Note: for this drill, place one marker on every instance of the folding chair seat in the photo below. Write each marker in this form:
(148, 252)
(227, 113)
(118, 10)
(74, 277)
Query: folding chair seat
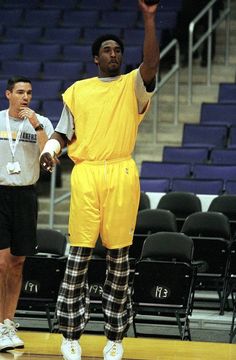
(59, 4)
(44, 52)
(11, 17)
(185, 154)
(231, 289)
(23, 34)
(204, 135)
(214, 171)
(163, 287)
(198, 186)
(61, 35)
(211, 235)
(39, 17)
(52, 109)
(181, 204)
(47, 89)
(155, 220)
(232, 137)
(227, 93)
(155, 185)
(97, 4)
(226, 204)
(144, 202)
(218, 113)
(90, 34)
(72, 18)
(118, 19)
(162, 169)
(26, 68)
(9, 51)
(42, 275)
(133, 55)
(81, 53)
(223, 156)
(230, 187)
(62, 70)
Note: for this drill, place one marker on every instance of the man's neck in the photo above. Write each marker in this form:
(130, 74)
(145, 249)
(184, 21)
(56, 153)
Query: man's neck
(14, 113)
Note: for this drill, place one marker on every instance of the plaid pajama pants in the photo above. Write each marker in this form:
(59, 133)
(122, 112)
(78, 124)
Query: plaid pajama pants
(73, 298)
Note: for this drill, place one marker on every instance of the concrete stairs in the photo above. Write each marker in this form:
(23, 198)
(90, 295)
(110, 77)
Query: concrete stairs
(162, 109)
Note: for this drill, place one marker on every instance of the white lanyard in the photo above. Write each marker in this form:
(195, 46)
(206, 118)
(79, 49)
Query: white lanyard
(13, 144)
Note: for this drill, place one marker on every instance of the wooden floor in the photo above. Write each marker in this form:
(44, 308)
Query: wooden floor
(45, 346)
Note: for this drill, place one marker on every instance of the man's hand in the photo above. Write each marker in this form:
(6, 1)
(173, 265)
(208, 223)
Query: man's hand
(47, 162)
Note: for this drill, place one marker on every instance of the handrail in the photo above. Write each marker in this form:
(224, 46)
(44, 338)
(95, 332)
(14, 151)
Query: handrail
(206, 36)
(174, 71)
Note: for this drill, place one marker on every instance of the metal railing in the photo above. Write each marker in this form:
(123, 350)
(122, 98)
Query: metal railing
(224, 15)
(173, 71)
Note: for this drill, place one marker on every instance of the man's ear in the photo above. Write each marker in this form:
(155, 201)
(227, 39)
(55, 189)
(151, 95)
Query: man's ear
(7, 93)
(95, 59)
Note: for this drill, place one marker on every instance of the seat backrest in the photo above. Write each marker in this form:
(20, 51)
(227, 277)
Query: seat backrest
(214, 171)
(208, 135)
(155, 220)
(207, 223)
(157, 169)
(122, 19)
(51, 242)
(26, 68)
(218, 113)
(198, 186)
(226, 204)
(180, 203)
(223, 156)
(185, 154)
(37, 17)
(62, 35)
(75, 52)
(230, 187)
(155, 185)
(232, 137)
(47, 89)
(168, 246)
(227, 93)
(80, 18)
(62, 70)
(23, 34)
(9, 51)
(41, 51)
(144, 202)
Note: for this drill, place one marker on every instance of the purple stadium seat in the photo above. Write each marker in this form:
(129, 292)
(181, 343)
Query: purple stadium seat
(166, 20)
(198, 186)
(232, 137)
(155, 185)
(23, 34)
(52, 109)
(159, 169)
(218, 113)
(133, 55)
(81, 53)
(214, 171)
(230, 187)
(185, 154)
(11, 17)
(227, 93)
(59, 4)
(122, 19)
(43, 52)
(97, 4)
(42, 17)
(90, 34)
(46, 89)
(223, 156)
(9, 51)
(34, 104)
(91, 70)
(62, 70)
(72, 18)
(29, 69)
(204, 135)
(62, 35)
(21, 4)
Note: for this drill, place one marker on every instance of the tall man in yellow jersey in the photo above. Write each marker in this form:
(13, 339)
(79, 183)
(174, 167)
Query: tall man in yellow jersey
(99, 123)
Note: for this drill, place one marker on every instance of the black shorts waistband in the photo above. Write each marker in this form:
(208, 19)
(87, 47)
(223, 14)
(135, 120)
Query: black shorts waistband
(13, 187)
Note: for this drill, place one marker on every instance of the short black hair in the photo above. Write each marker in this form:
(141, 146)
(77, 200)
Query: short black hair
(98, 42)
(15, 79)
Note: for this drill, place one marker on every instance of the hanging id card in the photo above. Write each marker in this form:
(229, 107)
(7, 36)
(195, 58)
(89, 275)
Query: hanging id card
(13, 168)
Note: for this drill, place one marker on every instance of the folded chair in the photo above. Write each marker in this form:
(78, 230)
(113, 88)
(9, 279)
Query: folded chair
(163, 287)
(42, 276)
(211, 235)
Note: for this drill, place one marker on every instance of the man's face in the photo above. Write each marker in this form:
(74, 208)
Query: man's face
(109, 58)
(20, 96)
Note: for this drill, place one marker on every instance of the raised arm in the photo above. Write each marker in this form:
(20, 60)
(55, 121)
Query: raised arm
(151, 53)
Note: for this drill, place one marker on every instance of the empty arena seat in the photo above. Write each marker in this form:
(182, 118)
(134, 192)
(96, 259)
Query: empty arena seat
(62, 35)
(62, 70)
(23, 34)
(185, 154)
(122, 19)
(41, 51)
(227, 93)
(214, 171)
(9, 51)
(155, 185)
(223, 156)
(20, 67)
(39, 17)
(199, 186)
(204, 135)
(218, 113)
(72, 18)
(46, 89)
(160, 169)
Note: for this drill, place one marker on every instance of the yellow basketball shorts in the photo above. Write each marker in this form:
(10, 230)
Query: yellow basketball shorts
(104, 200)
